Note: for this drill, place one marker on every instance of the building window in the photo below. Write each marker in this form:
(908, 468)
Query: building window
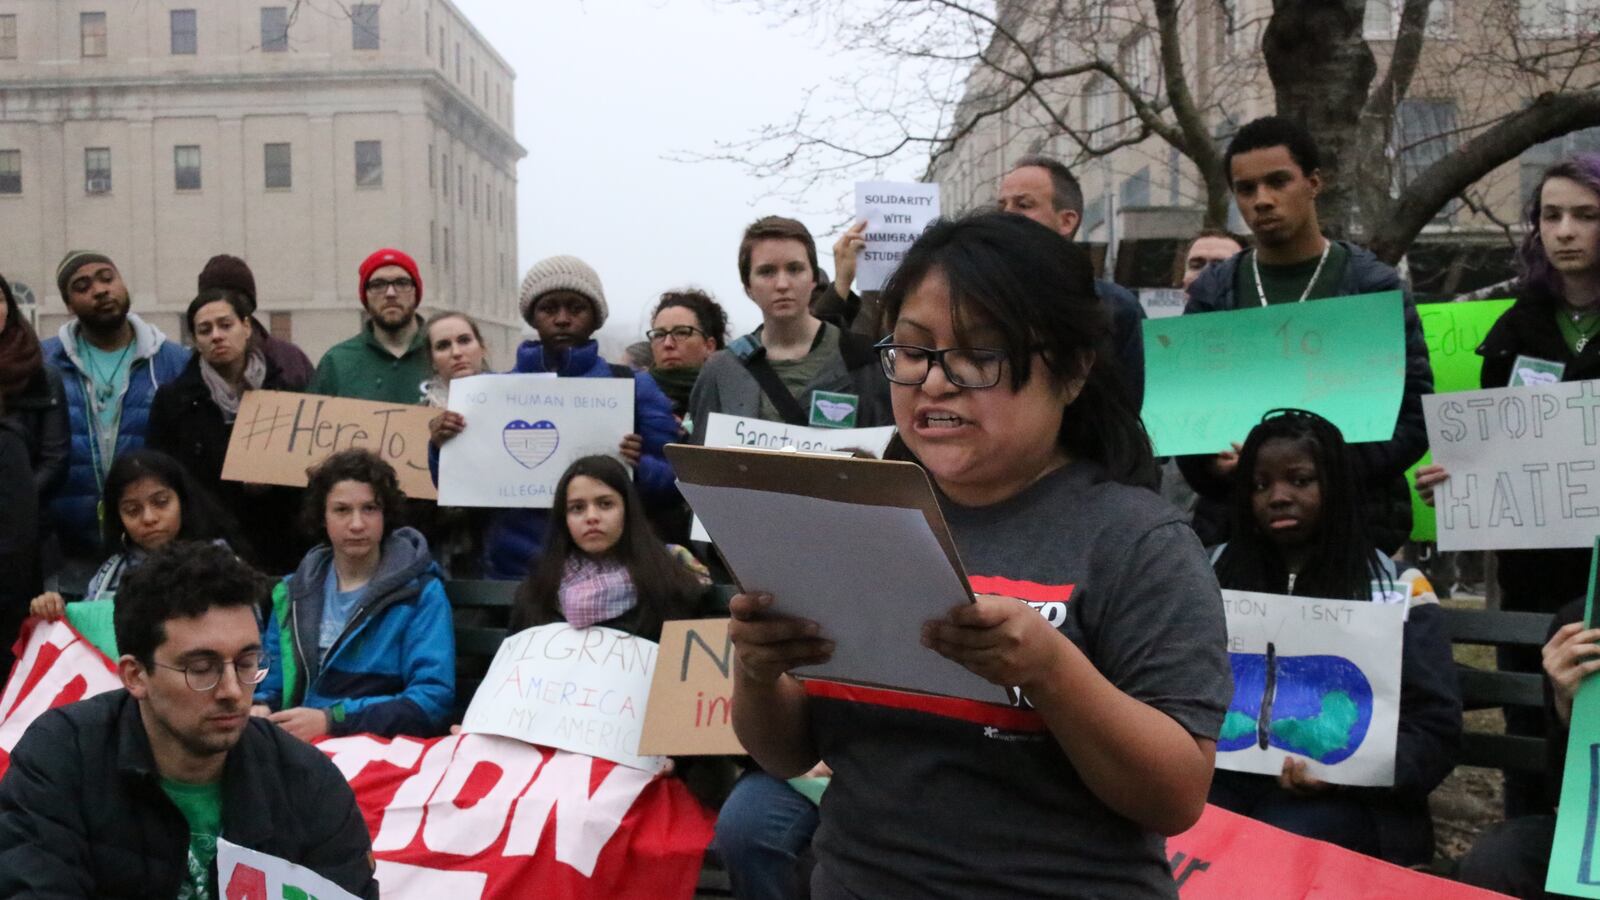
(461, 185)
(458, 62)
(444, 166)
(277, 160)
(92, 33)
(1135, 190)
(1555, 17)
(432, 178)
(427, 33)
(433, 243)
(274, 29)
(472, 77)
(447, 248)
(1539, 157)
(97, 170)
(369, 163)
(474, 195)
(364, 26)
(185, 36)
(10, 171)
(1381, 19)
(281, 324)
(1425, 132)
(8, 37)
(441, 46)
(186, 168)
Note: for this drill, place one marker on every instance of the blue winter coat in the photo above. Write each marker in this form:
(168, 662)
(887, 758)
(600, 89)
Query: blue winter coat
(515, 536)
(73, 507)
(392, 670)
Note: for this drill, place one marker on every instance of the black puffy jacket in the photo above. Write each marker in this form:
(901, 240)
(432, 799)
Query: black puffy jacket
(82, 812)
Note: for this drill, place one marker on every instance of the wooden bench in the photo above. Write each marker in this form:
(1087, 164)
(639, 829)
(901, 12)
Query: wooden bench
(1481, 689)
(481, 611)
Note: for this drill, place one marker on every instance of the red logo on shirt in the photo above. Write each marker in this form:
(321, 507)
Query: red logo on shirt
(1050, 600)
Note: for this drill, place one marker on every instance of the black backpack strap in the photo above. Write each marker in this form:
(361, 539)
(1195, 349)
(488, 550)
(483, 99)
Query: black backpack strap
(767, 379)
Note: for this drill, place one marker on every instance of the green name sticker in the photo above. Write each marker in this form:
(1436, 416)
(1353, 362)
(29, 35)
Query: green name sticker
(1529, 370)
(830, 410)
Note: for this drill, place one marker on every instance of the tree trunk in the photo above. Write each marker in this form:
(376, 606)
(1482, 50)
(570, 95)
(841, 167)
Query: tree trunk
(1322, 70)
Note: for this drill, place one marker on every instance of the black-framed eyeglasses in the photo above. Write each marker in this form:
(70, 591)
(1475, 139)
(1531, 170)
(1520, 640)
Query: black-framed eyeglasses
(967, 367)
(377, 287)
(679, 333)
(206, 673)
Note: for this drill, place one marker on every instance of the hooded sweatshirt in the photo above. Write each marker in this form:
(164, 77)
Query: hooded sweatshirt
(156, 361)
(392, 670)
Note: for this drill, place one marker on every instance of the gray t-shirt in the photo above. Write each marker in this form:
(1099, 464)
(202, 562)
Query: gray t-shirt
(935, 797)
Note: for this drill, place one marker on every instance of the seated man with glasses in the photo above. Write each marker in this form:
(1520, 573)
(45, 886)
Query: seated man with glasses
(125, 794)
(389, 360)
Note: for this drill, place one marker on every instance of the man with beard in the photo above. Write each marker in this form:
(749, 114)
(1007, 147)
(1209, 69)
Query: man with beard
(388, 361)
(111, 363)
(126, 793)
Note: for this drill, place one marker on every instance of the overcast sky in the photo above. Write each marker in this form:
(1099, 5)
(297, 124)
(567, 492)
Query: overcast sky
(606, 91)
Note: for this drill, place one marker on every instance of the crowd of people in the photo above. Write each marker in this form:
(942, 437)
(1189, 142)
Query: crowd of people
(247, 620)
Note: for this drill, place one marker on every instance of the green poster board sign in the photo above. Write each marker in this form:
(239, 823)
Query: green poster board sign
(1574, 855)
(1209, 378)
(1453, 332)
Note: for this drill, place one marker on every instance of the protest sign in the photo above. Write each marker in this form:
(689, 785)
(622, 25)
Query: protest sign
(1574, 858)
(1453, 332)
(578, 689)
(1522, 466)
(245, 874)
(523, 431)
(278, 435)
(1209, 378)
(54, 666)
(1318, 680)
(690, 711)
(896, 213)
(723, 430)
(1163, 303)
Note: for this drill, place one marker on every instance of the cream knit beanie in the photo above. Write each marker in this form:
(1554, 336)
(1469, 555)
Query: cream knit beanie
(563, 273)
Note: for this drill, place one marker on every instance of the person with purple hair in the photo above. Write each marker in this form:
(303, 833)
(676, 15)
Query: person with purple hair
(1555, 320)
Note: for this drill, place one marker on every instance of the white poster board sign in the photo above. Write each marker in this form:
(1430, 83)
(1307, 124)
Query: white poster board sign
(1524, 466)
(251, 875)
(723, 430)
(896, 213)
(523, 431)
(1318, 680)
(583, 690)
(1162, 303)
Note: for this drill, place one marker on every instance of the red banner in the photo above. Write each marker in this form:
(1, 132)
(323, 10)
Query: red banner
(476, 817)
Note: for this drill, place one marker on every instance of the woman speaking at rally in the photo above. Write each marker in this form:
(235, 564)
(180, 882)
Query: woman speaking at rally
(1095, 599)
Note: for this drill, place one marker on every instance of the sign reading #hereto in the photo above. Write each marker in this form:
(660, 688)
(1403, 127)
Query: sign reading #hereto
(577, 689)
(523, 431)
(1210, 377)
(896, 214)
(1522, 463)
(278, 435)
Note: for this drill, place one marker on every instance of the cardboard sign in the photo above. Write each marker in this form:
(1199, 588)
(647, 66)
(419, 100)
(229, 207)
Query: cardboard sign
(1453, 332)
(578, 689)
(896, 214)
(1574, 858)
(278, 435)
(1318, 680)
(522, 433)
(244, 874)
(691, 712)
(1210, 377)
(1522, 464)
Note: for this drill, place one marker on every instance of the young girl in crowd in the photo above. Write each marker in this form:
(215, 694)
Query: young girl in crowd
(1555, 320)
(151, 500)
(456, 347)
(455, 533)
(360, 637)
(1096, 607)
(607, 566)
(1298, 528)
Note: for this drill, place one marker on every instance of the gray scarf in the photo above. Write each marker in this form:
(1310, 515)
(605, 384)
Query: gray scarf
(255, 372)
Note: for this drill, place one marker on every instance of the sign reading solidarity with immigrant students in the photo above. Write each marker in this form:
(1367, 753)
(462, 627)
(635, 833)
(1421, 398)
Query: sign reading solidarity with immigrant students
(523, 431)
(1316, 680)
(896, 214)
(1522, 464)
(1209, 378)
(278, 435)
(578, 689)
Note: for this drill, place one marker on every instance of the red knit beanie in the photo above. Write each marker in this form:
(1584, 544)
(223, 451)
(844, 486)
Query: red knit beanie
(389, 257)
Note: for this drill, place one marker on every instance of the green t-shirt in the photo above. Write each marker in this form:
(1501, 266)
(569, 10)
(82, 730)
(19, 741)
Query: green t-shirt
(1578, 334)
(107, 371)
(797, 373)
(201, 805)
(1285, 284)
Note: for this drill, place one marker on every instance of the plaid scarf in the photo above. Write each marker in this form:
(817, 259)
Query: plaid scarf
(595, 591)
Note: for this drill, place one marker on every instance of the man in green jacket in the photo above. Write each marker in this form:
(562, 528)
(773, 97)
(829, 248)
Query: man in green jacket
(388, 361)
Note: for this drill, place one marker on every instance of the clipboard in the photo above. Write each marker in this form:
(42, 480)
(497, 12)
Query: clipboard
(858, 545)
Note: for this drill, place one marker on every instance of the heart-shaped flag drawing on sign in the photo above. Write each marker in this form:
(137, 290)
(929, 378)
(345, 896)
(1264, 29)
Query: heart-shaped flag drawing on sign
(531, 443)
